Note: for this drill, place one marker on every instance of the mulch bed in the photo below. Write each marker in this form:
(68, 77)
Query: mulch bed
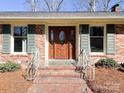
(108, 81)
(13, 82)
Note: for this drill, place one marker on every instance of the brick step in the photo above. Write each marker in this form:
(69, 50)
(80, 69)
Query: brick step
(58, 85)
(56, 88)
(53, 80)
(58, 73)
(58, 68)
(57, 80)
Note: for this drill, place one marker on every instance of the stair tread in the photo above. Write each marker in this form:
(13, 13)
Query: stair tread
(52, 80)
(57, 73)
(58, 68)
(76, 76)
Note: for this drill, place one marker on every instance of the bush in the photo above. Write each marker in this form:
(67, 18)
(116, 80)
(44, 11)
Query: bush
(2, 68)
(9, 67)
(107, 63)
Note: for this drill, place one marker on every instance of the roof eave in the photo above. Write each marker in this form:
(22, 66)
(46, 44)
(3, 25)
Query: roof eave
(57, 18)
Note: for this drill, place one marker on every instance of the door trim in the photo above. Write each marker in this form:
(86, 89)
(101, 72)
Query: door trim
(76, 25)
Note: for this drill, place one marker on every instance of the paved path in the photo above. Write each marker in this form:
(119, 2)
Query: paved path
(57, 81)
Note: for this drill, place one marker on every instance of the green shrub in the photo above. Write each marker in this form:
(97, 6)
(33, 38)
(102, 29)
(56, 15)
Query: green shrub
(9, 67)
(107, 63)
(2, 68)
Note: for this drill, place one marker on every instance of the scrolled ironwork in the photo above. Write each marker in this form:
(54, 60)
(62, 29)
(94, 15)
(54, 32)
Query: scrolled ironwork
(33, 64)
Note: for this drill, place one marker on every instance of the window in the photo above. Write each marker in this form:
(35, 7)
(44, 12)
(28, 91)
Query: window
(96, 38)
(20, 38)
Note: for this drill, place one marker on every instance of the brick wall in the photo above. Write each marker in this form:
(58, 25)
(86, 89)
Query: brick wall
(119, 40)
(40, 43)
(94, 58)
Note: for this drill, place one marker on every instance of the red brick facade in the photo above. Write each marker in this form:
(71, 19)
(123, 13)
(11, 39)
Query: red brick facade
(40, 44)
(119, 43)
(39, 41)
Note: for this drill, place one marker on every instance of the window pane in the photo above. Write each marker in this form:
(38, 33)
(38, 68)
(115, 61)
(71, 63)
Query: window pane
(17, 31)
(96, 31)
(24, 43)
(61, 37)
(20, 38)
(96, 44)
(20, 31)
(24, 31)
(18, 45)
(96, 38)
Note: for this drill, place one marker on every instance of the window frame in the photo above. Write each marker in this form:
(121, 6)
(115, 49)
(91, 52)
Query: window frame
(104, 37)
(12, 40)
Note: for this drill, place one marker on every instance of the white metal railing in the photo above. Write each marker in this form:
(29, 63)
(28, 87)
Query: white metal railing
(85, 66)
(33, 65)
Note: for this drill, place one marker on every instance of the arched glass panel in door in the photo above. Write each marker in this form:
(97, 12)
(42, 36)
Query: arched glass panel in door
(61, 37)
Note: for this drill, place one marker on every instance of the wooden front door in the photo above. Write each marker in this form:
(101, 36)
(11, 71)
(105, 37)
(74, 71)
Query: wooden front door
(61, 42)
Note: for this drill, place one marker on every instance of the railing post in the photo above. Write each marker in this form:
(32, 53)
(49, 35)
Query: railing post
(33, 65)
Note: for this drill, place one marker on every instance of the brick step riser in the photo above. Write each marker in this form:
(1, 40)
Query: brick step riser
(65, 76)
(49, 70)
(57, 68)
(58, 80)
(56, 73)
(62, 73)
(54, 82)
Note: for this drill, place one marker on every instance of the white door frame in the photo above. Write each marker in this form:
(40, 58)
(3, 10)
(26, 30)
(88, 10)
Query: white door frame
(47, 39)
